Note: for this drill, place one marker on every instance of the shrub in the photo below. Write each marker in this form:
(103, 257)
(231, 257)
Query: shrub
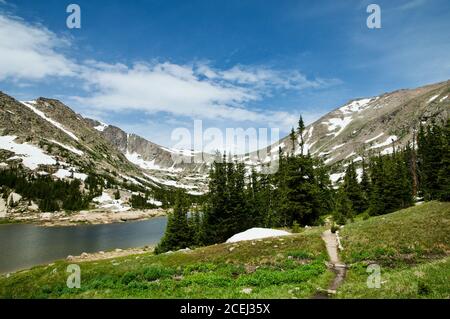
(423, 288)
(334, 228)
(299, 254)
(296, 227)
(154, 272)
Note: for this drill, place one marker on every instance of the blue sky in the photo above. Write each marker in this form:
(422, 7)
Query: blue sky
(152, 66)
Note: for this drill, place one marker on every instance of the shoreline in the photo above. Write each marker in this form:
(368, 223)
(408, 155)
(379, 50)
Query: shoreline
(93, 217)
(115, 253)
(88, 257)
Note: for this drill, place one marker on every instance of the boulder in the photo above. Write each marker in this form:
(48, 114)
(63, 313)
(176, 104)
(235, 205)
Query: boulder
(247, 291)
(15, 197)
(33, 207)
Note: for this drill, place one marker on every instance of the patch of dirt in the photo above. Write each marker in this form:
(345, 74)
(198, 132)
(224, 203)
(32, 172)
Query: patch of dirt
(338, 268)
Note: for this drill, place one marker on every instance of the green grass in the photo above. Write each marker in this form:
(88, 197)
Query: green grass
(411, 246)
(426, 280)
(286, 267)
(5, 221)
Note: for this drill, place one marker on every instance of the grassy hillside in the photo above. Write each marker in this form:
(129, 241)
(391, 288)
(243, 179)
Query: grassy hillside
(412, 247)
(272, 268)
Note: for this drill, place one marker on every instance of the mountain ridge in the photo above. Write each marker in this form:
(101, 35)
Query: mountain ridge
(348, 133)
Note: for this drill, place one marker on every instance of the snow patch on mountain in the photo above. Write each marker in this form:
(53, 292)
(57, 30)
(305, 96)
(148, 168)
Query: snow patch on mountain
(137, 159)
(154, 202)
(374, 138)
(131, 179)
(338, 124)
(65, 173)
(337, 146)
(387, 151)
(116, 205)
(31, 155)
(359, 173)
(355, 106)
(173, 183)
(350, 155)
(69, 148)
(181, 152)
(336, 177)
(29, 104)
(434, 97)
(104, 197)
(196, 193)
(306, 148)
(391, 139)
(101, 127)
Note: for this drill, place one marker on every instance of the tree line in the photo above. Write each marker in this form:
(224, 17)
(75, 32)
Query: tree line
(391, 182)
(300, 192)
(51, 195)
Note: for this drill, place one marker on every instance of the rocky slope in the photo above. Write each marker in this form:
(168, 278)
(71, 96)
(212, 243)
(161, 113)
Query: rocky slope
(47, 137)
(162, 165)
(370, 125)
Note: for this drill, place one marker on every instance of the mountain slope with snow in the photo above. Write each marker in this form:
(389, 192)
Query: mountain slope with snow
(371, 125)
(40, 133)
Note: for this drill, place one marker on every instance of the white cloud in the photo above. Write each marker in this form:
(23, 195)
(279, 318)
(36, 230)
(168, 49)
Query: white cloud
(162, 87)
(411, 4)
(196, 91)
(29, 52)
(32, 52)
(264, 77)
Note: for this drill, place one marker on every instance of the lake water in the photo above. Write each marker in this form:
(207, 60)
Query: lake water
(24, 245)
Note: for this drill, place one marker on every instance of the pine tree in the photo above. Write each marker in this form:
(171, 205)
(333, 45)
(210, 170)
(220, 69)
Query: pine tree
(178, 234)
(304, 194)
(292, 137)
(282, 190)
(300, 132)
(196, 225)
(343, 207)
(216, 206)
(444, 171)
(241, 217)
(117, 195)
(391, 183)
(430, 152)
(353, 190)
(377, 177)
(365, 186)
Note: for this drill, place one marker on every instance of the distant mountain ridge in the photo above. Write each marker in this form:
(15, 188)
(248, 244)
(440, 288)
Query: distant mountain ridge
(371, 125)
(348, 133)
